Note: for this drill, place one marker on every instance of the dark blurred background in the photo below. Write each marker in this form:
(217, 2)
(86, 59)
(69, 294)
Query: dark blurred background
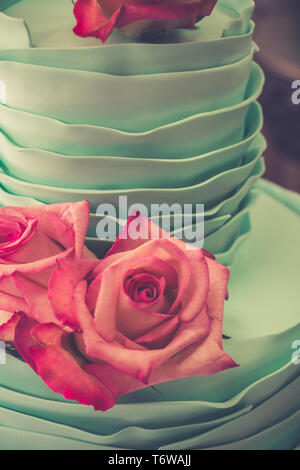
(278, 37)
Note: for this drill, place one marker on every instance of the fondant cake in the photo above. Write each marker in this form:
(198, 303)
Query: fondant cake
(169, 120)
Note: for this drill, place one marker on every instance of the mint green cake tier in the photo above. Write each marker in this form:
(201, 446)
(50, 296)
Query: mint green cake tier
(66, 94)
(162, 122)
(188, 137)
(199, 144)
(51, 168)
(223, 38)
(255, 406)
(208, 192)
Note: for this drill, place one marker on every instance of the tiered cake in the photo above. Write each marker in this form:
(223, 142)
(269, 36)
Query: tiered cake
(171, 121)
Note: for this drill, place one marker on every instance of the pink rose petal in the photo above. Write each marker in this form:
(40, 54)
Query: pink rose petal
(118, 382)
(63, 374)
(196, 303)
(149, 231)
(121, 358)
(161, 16)
(41, 347)
(24, 340)
(97, 347)
(65, 223)
(8, 286)
(12, 303)
(37, 248)
(148, 315)
(8, 327)
(195, 294)
(153, 337)
(36, 298)
(5, 316)
(62, 285)
(149, 256)
(205, 358)
(29, 229)
(218, 282)
(110, 298)
(48, 333)
(35, 266)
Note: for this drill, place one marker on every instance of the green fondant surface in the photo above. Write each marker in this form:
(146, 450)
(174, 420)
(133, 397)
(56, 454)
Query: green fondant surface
(201, 143)
(255, 406)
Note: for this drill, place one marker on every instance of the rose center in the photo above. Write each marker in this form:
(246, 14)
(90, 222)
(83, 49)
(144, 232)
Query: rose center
(10, 229)
(143, 287)
(14, 232)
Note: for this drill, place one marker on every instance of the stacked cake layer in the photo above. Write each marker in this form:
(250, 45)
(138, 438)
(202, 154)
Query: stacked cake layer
(174, 122)
(254, 406)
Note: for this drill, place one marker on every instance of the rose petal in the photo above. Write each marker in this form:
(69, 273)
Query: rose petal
(127, 343)
(121, 358)
(89, 17)
(8, 323)
(105, 310)
(134, 321)
(66, 223)
(91, 21)
(24, 340)
(160, 268)
(13, 304)
(144, 288)
(75, 384)
(195, 294)
(34, 267)
(48, 333)
(160, 332)
(35, 249)
(205, 358)
(120, 384)
(5, 316)
(110, 298)
(63, 374)
(195, 297)
(57, 367)
(149, 231)
(37, 299)
(11, 246)
(113, 305)
(8, 286)
(163, 253)
(62, 285)
(218, 282)
(96, 347)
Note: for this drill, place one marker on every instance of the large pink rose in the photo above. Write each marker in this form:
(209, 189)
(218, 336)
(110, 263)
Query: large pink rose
(98, 18)
(149, 312)
(33, 241)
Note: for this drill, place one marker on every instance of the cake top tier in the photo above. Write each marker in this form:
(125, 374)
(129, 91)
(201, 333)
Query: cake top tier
(51, 23)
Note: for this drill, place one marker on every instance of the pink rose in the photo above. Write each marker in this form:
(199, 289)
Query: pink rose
(98, 18)
(149, 312)
(33, 241)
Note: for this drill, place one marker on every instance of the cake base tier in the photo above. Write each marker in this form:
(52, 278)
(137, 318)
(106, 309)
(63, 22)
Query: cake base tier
(255, 406)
